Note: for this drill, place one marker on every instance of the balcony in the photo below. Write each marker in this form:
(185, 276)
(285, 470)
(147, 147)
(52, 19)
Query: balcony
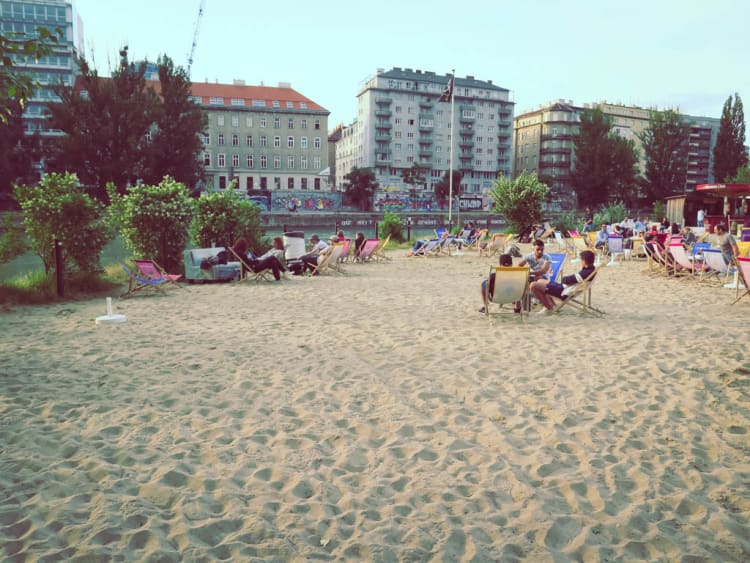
(547, 164)
(425, 152)
(383, 112)
(383, 100)
(557, 137)
(384, 125)
(383, 137)
(384, 158)
(466, 143)
(426, 104)
(425, 142)
(426, 127)
(555, 150)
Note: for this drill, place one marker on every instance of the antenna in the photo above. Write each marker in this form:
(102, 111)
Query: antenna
(196, 29)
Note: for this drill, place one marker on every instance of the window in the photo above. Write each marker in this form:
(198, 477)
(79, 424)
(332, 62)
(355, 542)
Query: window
(317, 124)
(290, 183)
(277, 182)
(148, 136)
(290, 142)
(397, 146)
(250, 161)
(289, 105)
(206, 159)
(263, 182)
(276, 104)
(263, 122)
(303, 142)
(249, 183)
(235, 121)
(290, 161)
(303, 124)
(316, 163)
(206, 138)
(235, 160)
(248, 121)
(249, 140)
(263, 141)
(276, 162)
(221, 138)
(263, 161)
(303, 183)
(235, 140)
(214, 101)
(303, 105)
(276, 122)
(397, 134)
(259, 103)
(398, 121)
(410, 147)
(316, 142)
(290, 123)
(222, 182)
(220, 120)
(277, 142)
(222, 162)
(303, 162)
(317, 183)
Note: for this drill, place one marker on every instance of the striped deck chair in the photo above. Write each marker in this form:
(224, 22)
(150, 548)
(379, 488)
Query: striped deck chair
(743, 271)
(365, 255)
(578, 296)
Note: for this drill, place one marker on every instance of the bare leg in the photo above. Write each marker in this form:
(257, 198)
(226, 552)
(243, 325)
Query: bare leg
(538, 289)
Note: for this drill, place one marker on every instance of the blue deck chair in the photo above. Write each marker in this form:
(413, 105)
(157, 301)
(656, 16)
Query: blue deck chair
(558, 261)
(137, 282)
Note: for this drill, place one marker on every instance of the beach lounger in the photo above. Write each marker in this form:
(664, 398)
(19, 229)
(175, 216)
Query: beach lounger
(683, 265)
(743, 279)
(246, 272)
(148, 275)
(558, 262)
(365, 255)
(578, 296)
(511, 286)
(615, 247)
(716, 267)
(379, 252)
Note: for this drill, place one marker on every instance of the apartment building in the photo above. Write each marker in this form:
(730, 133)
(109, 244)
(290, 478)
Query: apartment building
(401, 123)
(266, 138)
(21, 19)
(543, 143)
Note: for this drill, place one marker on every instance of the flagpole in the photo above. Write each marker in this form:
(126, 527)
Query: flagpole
(450, 158)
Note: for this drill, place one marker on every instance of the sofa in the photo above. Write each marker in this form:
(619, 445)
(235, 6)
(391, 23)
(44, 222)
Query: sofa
(219, 272)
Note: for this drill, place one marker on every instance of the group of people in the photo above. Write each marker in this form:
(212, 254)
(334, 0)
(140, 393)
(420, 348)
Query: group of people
(275, 261)
(541, 286)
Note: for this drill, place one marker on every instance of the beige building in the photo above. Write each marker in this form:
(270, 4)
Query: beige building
(267, 138)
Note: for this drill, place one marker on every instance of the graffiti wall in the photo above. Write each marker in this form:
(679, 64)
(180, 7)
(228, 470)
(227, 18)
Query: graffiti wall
(305, 201)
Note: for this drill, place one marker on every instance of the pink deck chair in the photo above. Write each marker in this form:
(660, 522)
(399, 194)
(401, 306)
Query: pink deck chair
(365, 255)
(152, 271)
(743, 270)
(683, 262)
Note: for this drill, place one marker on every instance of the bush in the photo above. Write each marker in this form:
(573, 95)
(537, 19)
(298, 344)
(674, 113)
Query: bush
(392, 226)
(58, 209)
(153, 220)
(223, 217)
(11, 240)
(520, 200)
(611, 214)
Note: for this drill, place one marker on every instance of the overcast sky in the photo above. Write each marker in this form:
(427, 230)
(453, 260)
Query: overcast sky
(656, 53)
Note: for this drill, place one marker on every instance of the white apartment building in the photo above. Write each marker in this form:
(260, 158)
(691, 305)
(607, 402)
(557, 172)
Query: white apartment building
(401, 122)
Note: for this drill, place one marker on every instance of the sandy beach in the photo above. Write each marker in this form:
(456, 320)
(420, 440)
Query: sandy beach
(377, 416)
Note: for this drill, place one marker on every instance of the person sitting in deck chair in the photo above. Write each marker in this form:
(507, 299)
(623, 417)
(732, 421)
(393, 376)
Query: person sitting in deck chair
(488, 285)
(543, 288)
(317, 252)
(538, 261)
(266, 262)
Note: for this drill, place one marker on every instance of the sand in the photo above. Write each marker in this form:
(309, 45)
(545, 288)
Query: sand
(378, 416)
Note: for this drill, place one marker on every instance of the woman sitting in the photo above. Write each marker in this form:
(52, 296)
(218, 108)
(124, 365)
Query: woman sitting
(265, 262)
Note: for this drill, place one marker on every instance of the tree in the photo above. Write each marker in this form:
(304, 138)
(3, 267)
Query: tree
(223, 217)
(605, 163)
(17, 87)
(176, 145)
(729, 151)
(520, 200)
(665, 145)
(360, 185)
(105, 122)
(442, 188)
(741, 177)
(57, 208)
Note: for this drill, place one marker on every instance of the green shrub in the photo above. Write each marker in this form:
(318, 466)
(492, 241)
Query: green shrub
(610, 214)
(11, 240)
(223, 217)
(393, 226)
(520, 200)
(153, 220)
(58, 209)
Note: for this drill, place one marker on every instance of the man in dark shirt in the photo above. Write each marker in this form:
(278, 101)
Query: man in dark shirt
(543, 288)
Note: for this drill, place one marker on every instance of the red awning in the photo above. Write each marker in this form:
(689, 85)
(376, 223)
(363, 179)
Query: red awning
(736, 190)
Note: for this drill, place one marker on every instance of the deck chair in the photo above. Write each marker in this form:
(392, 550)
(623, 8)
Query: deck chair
(743, 271)
(558, 262)
(151, 270)
(327, 261)
(744, 247)
(511, 285)
(379, 252)
(561, 244)
(682, 262)
(578, 296)
(347, 242)
(431, 248)
(476, 240)
(138, 282)
(579, 243)
(246, 272)
(334, 262)
(716, 267)
(615, 247)
(365, 255)
(494, 246)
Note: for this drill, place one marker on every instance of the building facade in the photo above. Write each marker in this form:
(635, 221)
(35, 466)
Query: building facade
(543, 143)
(266, 138)
(21, 20)
(401, 124)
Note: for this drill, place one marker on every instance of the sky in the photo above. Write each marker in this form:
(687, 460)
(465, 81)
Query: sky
(687, 56)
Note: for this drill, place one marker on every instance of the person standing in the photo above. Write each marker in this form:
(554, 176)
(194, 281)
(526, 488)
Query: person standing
(726, 243)
(701, 216)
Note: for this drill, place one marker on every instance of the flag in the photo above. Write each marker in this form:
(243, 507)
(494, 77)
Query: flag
(448, 92)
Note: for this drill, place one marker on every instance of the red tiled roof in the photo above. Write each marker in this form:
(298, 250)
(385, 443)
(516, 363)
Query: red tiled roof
(268, 94)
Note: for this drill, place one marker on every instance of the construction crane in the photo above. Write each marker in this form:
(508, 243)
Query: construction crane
(196, 29)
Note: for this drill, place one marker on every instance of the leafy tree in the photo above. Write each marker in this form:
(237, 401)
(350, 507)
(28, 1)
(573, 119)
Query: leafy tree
(520, 200)
(176, 144)
(17, 87)
(360, 185)
(12, 244)
(15, 158)
(729, 151)
(605, 163)
(57, 208)
(105, 128)
(223, 217)
(665, 145)
(442, 188)
(153, 220)
(393, 226)
(741, 177)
